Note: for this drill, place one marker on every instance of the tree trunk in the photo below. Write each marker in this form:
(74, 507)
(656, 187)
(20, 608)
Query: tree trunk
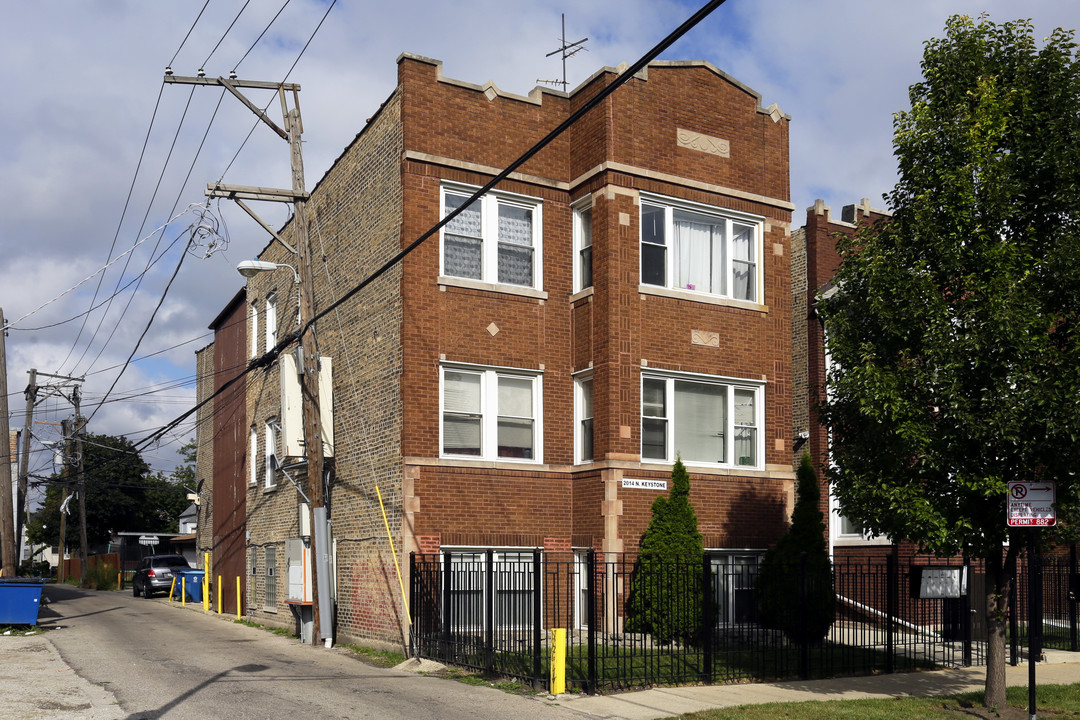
(999, 576)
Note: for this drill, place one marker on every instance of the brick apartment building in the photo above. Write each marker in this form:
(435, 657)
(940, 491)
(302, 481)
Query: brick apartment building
(815, 261)
(526, 380)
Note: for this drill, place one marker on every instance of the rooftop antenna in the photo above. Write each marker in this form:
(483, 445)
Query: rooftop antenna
(567, 50)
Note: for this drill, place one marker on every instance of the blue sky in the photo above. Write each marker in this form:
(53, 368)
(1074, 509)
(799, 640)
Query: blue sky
(83, 80)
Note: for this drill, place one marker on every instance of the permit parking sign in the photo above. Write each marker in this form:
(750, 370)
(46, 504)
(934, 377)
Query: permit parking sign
(1031, 504)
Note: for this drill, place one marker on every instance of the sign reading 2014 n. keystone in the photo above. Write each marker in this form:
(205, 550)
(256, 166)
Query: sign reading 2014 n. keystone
(1031, 504)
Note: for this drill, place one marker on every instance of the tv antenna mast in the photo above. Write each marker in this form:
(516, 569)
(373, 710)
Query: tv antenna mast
(567, 50)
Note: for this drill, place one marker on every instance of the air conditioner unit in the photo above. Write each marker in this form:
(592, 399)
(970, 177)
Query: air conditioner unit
(292, 407)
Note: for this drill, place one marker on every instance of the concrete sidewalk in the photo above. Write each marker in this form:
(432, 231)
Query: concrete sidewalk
(1060, 668)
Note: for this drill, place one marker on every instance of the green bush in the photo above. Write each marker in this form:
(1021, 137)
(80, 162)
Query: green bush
(100, 577)
(794, 587)
(665, 592)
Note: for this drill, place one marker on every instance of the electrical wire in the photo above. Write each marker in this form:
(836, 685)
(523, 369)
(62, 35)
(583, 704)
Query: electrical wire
(190, 30)
(224, 34)
(272, 21)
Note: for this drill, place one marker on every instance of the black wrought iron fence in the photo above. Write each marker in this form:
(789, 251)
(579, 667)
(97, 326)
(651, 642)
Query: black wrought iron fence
(496, 611)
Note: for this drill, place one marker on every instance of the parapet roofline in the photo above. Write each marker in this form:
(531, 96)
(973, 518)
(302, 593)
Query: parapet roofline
(535, 95)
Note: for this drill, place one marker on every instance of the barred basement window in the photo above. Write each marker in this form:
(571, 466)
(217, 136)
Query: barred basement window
(271, 577)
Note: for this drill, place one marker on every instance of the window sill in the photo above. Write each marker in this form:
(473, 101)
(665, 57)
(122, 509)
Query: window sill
(270, 609)
(446, 281)
(700, 298)
(269, 489)
(581, 294)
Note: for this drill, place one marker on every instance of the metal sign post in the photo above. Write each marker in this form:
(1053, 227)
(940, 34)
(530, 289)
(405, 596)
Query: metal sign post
(1031, 505)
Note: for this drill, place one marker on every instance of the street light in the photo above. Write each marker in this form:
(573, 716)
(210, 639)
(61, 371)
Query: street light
(251, 268)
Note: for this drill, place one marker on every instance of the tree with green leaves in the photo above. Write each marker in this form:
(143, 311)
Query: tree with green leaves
(666, 589)
(121, 495)
(954, 330)
(794, 586)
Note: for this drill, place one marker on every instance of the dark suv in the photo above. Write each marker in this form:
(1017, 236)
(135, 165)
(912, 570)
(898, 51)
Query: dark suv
(156, 573)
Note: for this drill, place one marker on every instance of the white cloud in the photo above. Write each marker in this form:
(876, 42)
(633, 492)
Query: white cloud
(82, 81)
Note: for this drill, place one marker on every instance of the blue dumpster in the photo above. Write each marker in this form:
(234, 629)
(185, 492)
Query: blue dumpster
(20, 600)
(189, 581)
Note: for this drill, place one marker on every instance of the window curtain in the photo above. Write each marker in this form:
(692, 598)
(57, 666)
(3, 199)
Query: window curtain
(699, 259)
(463, 240)
(515, 417)
(699, 421)
(461, 419)
(515, 245)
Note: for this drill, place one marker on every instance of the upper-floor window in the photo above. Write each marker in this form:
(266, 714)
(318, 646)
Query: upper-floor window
(583, 240)
(271, 321)
(254, 310)
(253, 456)
(495, 239)
(583, 404)
(270, 453)
(491, 413)
(702, 419)
(697, 248)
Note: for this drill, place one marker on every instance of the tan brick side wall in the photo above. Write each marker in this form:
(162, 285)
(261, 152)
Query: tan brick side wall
(355, 214)
(204, 447)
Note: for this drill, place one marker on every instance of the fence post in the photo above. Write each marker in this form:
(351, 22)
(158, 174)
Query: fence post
(489, 610)
(1074, 588)
(1014, 629)
(707, 621)
(448, 601)
(891, 601)
(590, 610)
(414, 607)
(804, 597)
(538, 621)
(965, 611)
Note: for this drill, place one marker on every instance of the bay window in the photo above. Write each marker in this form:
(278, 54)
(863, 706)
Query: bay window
(699, 249)
(702, 419)
(490, 413)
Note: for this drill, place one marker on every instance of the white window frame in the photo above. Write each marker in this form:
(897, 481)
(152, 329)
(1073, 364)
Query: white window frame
(253, 455)
(582, 588)
(730, 219)
(489, 410)
(580, 208)
(271, 321)
(489, 221)
(731, 576)
(731, 385)
(254, 310)
(580, 382)
(271, 436)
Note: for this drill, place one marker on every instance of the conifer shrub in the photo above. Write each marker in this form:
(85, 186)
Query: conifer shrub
(665, 592)
(795, 586)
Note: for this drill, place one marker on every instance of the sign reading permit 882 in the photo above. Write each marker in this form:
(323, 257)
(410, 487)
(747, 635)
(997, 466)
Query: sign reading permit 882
(1032, 504)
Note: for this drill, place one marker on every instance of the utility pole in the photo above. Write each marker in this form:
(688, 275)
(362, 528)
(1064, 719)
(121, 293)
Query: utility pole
(7, 507)
(65, 472)
(80, 424)
(308, 361)
(24, 457)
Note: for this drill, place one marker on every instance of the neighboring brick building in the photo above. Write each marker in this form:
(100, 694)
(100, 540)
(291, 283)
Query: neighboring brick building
(815, 261)
(221, 439)
(624, 297)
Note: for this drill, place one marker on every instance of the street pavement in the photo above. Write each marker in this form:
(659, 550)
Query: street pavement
(37, 683)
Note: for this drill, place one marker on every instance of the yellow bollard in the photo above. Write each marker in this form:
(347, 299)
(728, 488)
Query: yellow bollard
(237, 597)
(120, 580)
(205, 582)
(558, 661)
(183, 591)
(172, 588)
(218, 594)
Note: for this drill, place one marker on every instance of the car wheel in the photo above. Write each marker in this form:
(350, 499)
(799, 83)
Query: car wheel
(147, 592)
(135, 589)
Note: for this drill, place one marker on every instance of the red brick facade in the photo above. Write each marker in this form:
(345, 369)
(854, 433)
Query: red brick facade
(681, 131)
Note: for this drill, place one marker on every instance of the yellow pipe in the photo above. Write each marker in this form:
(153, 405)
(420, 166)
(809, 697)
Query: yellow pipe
(558, 661)
(237, 597)
(183, 590)
(205, 582)
(120, 580)
(172, 588)
(218, 594)
(404, 598)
